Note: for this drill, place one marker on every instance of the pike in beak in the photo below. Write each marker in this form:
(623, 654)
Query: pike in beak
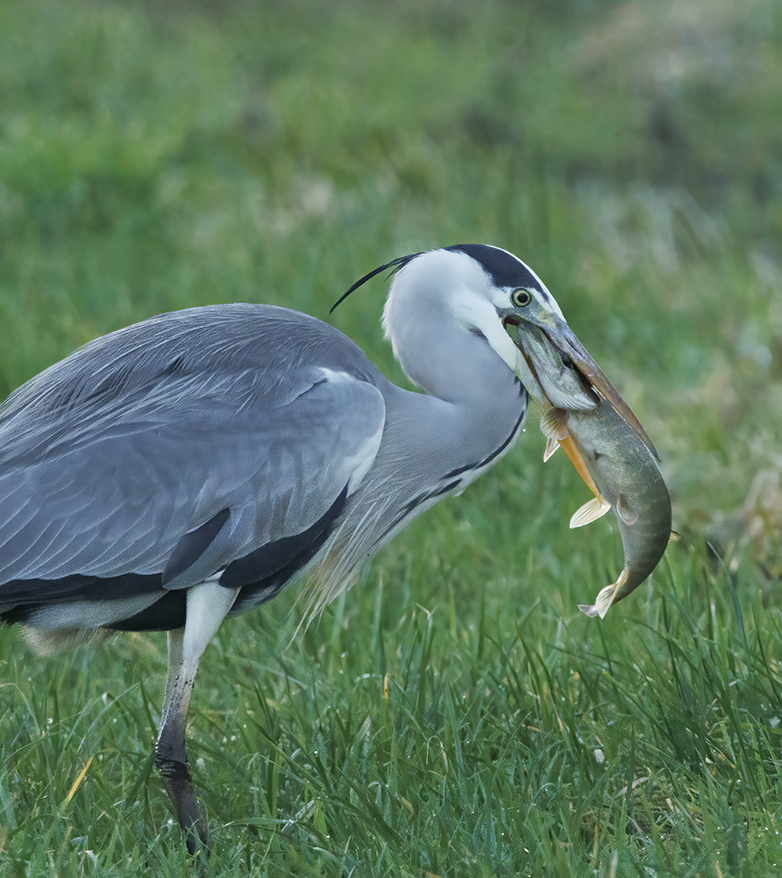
(583, 412)
(628, 480)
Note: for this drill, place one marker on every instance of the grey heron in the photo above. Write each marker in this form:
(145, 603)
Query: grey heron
(186, 468)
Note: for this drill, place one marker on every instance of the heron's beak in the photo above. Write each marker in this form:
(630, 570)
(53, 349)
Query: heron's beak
(564, 374)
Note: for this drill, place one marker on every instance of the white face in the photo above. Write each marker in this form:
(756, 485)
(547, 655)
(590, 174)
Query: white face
(499, 298)
(459, 288)
(495, 297)
(479, 304)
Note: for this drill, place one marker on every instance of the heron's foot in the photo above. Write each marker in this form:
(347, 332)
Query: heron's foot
(179, 786)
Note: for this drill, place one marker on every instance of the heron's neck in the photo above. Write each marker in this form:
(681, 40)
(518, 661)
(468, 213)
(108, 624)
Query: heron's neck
(452, 363)
(472, 410)
(432, 446)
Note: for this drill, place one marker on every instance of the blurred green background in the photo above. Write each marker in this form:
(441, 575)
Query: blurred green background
(155, 156)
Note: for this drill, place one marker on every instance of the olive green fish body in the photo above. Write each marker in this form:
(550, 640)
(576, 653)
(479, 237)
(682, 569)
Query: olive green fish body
(585, 414)
(627, 476)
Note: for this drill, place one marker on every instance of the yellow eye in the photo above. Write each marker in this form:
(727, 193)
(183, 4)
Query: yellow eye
(521, 297)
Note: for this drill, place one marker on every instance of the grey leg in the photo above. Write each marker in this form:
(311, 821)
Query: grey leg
(175, 640)
(207, 605)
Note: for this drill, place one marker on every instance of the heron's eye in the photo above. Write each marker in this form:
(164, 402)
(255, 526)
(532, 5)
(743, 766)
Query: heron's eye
(521, 297)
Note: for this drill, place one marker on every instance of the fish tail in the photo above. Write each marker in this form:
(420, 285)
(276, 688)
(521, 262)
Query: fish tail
(605, 597)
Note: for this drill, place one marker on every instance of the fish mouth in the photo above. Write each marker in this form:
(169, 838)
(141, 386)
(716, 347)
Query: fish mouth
(566, 374)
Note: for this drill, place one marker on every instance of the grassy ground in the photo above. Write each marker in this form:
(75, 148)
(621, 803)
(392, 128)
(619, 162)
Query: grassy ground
(454, 714)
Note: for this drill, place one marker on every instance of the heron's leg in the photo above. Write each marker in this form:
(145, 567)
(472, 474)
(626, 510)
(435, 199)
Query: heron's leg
(207, 605)
(175, 640)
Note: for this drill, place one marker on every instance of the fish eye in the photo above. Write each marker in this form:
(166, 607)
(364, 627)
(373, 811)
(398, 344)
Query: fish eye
(521, 297)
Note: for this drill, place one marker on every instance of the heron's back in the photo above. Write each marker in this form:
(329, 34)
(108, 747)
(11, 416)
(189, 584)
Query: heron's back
(217, 437)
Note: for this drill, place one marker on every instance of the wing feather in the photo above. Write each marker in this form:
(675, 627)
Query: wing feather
(111, 458)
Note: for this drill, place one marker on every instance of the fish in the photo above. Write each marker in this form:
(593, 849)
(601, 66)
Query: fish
(622, 470)
(582, 412)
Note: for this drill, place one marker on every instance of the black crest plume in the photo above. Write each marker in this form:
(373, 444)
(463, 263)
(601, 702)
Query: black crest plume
(394, 265)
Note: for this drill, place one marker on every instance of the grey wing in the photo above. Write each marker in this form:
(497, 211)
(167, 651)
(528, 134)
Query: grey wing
(183, 482)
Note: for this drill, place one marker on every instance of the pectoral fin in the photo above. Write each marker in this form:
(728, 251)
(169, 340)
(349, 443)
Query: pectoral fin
(551, 446)
(590, 511)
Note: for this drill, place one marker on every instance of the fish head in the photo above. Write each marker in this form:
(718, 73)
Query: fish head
(556, 369)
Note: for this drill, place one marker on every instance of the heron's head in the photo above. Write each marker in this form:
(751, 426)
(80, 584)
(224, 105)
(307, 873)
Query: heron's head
(499, 300)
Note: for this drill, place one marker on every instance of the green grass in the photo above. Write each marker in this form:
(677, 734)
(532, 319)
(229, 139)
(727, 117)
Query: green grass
(454, 714)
